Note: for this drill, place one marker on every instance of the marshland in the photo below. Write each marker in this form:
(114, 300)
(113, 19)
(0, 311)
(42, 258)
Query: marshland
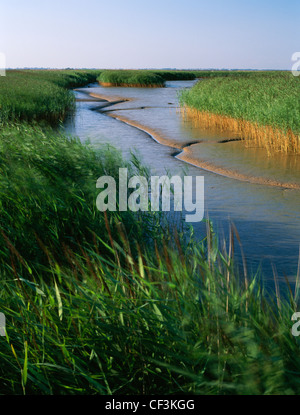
(137, 303)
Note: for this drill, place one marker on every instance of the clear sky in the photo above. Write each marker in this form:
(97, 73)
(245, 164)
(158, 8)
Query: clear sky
(258, 34)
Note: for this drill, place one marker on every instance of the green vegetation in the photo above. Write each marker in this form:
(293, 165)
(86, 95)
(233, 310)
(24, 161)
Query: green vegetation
(270, 99)
(267, 98)
(119, 302)
(48, 192)
(142, 78)
(40, 95)
(130, 78)
(176, 75)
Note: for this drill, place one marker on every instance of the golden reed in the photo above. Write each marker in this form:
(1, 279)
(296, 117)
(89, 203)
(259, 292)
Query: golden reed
(271, 138)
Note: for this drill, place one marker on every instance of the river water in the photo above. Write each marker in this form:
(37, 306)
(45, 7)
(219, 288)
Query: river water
(239, 182)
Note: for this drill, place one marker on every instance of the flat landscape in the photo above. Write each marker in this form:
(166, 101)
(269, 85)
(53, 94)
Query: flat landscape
(111, 285)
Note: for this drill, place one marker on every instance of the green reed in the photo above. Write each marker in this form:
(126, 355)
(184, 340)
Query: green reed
(269, 99)
(40, 95)
(146, 78)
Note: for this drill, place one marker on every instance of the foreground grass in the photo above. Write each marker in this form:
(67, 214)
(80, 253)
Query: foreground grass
(116, 303)
(262, 107)
(40, 95)
(48, 191)
(154, 325)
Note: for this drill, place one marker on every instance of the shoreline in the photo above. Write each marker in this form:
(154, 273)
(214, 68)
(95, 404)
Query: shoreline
(124, 85)
(184, 151)
(186, 156)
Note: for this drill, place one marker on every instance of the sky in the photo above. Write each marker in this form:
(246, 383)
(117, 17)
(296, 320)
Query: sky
(182, 34)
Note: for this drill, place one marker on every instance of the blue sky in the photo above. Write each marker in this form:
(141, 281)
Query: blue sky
(150, 34)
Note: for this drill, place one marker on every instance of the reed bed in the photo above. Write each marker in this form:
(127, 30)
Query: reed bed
(40, 95)
(130, 78)
(262, 108)
(253, 134)
(121, 302)
(141, 78)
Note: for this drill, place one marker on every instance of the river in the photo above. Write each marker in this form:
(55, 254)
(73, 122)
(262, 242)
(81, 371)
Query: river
(259, 194)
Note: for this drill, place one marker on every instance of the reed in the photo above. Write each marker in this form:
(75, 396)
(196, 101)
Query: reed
(123, 303)
(40, 95)
(138, 78)
(262, 108)
(142, 78)
(253, 134)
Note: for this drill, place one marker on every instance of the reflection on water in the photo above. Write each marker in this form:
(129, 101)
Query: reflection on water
(267, 218)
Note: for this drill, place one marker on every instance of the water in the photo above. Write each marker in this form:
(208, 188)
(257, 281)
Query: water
(267, 217)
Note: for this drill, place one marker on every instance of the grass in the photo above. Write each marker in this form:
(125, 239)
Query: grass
(173, 320)
(40, 95)
(122, 303)
(47, 193)
(262, 107)
(141, 78)
(118, 303)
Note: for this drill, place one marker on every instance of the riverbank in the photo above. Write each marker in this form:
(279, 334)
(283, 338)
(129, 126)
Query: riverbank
(262, 108)
(141, 78)
(122, 302)
(185, 149)
(32, 95)
(117, 303)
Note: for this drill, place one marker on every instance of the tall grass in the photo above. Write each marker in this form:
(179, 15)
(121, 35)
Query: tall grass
(263, 108)
(130, 78)
(40, 95)
(118, 303)
(121, 303)
(48, 192)
(141, 78)
(169, 321)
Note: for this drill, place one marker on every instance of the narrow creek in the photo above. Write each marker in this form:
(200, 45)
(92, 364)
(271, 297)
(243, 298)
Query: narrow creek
(260, 195)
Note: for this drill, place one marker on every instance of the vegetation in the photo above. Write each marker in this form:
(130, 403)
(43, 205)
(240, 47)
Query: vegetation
(47, 193)
(141, 78)
(262, 107)
(116, 303)
(40, 95)
(119, 303)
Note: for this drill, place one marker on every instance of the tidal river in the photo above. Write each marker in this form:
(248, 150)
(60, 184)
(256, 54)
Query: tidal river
(260, 195)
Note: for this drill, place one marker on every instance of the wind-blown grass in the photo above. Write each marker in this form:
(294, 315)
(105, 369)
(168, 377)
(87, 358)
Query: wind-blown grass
(263, 108)
(176, 322)
(116, 303)
(48, 191)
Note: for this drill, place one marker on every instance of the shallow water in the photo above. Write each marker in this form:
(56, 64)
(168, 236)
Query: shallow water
(267, 217)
